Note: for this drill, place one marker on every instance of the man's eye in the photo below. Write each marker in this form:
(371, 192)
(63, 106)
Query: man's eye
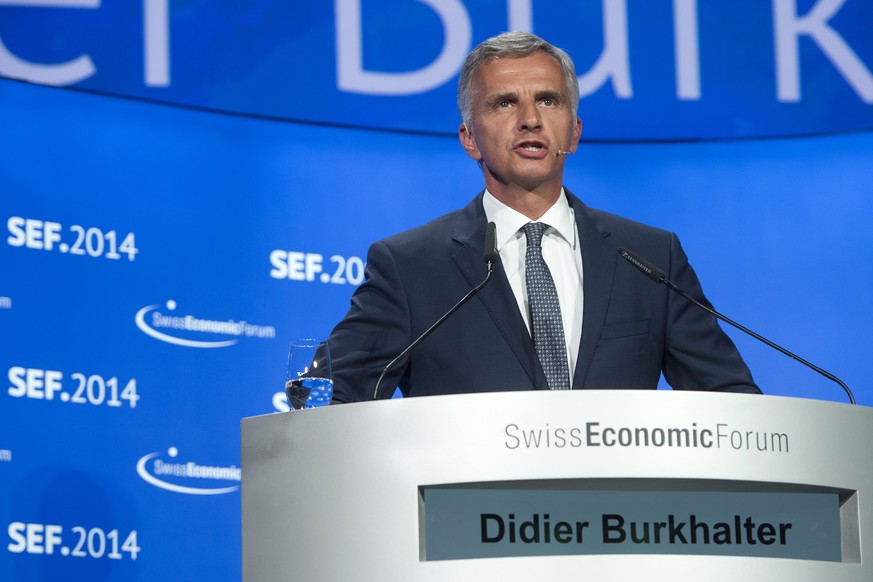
(503, 104)
(549, 102)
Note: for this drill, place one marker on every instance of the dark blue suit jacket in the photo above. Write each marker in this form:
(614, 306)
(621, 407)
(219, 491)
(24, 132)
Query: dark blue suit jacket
(632, 330)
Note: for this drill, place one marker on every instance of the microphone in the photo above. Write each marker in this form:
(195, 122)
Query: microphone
(490, 257)
(563, 153)
(658, 276)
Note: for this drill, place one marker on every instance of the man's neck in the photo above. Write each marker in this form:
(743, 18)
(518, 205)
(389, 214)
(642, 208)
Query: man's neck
(532, 203)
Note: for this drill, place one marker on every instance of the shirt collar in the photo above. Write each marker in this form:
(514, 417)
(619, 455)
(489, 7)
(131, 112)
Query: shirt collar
(509, 221)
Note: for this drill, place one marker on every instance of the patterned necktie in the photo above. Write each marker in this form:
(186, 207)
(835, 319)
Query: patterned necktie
(545, 311)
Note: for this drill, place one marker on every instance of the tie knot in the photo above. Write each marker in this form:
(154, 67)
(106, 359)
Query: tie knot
(534, 232)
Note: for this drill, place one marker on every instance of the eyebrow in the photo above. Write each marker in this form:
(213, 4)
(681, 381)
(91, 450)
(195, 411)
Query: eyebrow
(512, 96)
(493, 99)
(549, 94)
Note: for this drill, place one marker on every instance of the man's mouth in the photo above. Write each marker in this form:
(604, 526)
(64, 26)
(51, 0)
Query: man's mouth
(531, 147)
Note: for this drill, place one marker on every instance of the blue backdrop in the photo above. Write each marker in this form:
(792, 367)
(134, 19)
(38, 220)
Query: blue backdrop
(163, 244)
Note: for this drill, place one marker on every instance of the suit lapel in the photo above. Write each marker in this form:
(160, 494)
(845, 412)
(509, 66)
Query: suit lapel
(497, 296)
(598, 266)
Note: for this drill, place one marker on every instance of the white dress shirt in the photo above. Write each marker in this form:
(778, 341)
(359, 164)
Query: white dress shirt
(560, 251)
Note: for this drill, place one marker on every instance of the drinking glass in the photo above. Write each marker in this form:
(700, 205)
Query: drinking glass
(308, 383)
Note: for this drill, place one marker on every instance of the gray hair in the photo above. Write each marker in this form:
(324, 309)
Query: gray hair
(512, 45)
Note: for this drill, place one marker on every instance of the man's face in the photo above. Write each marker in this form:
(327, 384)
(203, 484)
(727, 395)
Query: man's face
(521, 117)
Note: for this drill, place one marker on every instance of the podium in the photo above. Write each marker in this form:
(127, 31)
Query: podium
(560, 486)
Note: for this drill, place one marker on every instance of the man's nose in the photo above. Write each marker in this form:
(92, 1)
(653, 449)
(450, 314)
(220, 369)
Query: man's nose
(529, 118)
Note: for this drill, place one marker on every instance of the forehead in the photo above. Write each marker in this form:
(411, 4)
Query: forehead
(538, 71)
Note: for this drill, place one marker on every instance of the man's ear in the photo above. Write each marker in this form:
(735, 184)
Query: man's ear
(577, 133)
(468, 142)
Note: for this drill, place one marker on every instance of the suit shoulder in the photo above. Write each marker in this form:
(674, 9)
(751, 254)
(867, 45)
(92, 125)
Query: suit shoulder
(427, 232)
(621, 227)
(421, 240)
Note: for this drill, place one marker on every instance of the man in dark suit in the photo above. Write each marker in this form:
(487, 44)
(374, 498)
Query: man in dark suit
(582, 319)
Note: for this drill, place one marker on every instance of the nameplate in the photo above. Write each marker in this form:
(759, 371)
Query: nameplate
(468, 522)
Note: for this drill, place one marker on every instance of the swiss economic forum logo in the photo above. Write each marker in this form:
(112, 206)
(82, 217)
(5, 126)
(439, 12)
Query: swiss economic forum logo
(185, 329)
(185, 476)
